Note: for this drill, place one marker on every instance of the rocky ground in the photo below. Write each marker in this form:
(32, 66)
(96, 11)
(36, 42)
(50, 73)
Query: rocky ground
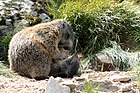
(108, 82)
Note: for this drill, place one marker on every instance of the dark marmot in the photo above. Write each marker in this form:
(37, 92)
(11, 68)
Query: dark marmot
(33, 50)
(67, 67)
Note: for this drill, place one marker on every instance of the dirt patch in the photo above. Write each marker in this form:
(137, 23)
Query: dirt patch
(20, 84)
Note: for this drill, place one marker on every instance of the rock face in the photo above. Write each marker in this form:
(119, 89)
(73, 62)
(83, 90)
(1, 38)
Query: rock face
(16, 15)
(54, 87)
(13, 12)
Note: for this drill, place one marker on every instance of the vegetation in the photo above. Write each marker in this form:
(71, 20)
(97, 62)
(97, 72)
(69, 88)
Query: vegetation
(4, 43)
(90, 87)
(122, 60)
(4, 70)
(136, 73)
(96, 22)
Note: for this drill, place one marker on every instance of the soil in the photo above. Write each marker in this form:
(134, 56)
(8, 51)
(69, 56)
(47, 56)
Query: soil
(20, 84)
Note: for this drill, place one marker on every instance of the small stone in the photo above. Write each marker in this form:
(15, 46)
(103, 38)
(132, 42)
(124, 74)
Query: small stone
(80, 86)
(120, 78)
(44, 17)
(8, 22)
(126, 88)
(106, 86)
(34, 13)
(77, 91)
(70, 84)
(86, 76)
(79, 78)
(54, 87)
(32, 80)
(0, 19)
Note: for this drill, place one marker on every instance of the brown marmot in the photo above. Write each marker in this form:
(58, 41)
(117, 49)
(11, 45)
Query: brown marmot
(34, 50)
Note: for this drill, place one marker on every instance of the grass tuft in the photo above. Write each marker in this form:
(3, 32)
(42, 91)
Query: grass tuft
(90, 87)
(5, 71)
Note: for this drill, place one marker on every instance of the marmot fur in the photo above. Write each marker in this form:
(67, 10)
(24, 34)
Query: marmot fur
(33, 49)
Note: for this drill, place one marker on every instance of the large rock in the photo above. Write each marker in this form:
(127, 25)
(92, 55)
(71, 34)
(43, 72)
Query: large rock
(104, 62)
(16, 15)
(54, 87)
(14, 12)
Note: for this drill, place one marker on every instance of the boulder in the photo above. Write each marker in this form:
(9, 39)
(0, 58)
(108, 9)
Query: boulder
(104, 63)
(54, 87)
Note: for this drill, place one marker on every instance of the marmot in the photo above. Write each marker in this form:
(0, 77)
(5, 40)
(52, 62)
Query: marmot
(32, 50)
(67, 67)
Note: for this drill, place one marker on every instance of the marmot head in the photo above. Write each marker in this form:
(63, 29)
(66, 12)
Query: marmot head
(69, 67)
(66, 31)
(65, 68)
